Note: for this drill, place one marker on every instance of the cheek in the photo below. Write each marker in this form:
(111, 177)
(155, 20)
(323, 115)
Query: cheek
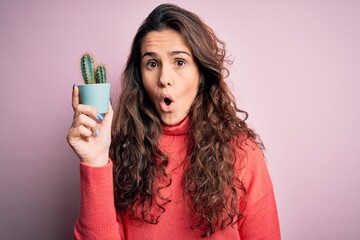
(192, 85)
(149, 80)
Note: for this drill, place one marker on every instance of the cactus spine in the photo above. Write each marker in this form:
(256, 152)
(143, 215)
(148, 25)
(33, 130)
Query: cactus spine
(90, 75)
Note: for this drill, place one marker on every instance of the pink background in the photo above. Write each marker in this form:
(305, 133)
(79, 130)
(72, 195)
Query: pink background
(296, 71)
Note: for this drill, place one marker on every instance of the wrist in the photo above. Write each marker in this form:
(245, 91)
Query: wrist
(97, 162)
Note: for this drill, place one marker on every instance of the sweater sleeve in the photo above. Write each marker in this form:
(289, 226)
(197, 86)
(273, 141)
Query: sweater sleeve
(260, 215)
(97, 218)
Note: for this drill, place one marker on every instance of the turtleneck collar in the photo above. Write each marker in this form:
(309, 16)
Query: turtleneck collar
(179, 129)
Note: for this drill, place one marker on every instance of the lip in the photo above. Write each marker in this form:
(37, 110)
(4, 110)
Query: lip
(164, 107)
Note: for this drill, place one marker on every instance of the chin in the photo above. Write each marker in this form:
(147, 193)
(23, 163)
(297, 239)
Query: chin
(169, 122)
(172, 120)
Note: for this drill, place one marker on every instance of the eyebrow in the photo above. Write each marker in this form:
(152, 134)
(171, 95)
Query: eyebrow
(153, 54)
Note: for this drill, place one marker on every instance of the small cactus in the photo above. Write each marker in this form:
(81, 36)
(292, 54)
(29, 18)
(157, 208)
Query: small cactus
(87, 68)
(90, 75)
(100, 74)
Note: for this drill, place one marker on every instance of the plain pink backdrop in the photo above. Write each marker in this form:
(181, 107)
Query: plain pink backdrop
(296, 71)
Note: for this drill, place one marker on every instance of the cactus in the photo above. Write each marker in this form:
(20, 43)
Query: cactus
(100, 74)
(90, 75)
(87, 68)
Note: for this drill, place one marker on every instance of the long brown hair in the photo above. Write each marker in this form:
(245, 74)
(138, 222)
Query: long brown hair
(210, 181)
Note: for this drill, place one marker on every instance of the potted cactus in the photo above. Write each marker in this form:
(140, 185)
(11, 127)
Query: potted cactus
(95, 92)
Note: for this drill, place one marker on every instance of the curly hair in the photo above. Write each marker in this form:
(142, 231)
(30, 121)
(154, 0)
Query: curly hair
(210, 180)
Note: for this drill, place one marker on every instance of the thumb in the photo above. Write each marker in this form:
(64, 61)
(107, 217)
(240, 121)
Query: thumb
(106, 124)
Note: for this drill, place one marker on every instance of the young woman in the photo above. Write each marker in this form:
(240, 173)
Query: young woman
(176, 161)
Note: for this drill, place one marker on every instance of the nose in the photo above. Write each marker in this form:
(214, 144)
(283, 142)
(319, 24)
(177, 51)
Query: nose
(165, 78)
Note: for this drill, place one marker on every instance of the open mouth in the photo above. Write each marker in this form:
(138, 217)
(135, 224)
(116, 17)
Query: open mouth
(167, 101)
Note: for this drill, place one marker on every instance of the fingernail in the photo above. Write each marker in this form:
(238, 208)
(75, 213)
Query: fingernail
(97, 132)
(100, 116)
(73, 86)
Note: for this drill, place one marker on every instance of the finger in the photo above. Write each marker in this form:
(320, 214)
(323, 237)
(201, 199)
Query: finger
(85, 121)
(81, 132)
(104, 128)
(87, 110)
(77, 134)
(85, 132)
(109, 114)
(75, 97)
(108, 119)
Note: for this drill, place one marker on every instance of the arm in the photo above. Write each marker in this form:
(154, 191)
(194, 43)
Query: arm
(90, 137)
(97, 219)
(260, 215)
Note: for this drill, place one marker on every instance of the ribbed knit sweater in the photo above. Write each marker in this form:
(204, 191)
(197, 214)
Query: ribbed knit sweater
(98, 218)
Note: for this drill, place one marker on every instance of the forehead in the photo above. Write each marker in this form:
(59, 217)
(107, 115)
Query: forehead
(163, 41)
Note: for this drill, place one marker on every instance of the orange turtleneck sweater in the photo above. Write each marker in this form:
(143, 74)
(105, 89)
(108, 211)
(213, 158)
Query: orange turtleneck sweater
(98, 218)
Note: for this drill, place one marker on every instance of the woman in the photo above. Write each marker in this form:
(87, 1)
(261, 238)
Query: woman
(176, 162)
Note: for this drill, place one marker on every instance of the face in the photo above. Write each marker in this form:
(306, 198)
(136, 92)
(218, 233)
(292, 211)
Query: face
(169, 74)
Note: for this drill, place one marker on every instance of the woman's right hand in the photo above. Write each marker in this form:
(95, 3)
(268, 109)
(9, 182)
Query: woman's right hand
(90, 133)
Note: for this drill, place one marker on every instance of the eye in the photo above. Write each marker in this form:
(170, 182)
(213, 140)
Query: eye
(180, 63)
(152, 64)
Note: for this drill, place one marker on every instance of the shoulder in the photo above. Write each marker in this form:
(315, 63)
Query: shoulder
(250, 165)
(247, 152)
